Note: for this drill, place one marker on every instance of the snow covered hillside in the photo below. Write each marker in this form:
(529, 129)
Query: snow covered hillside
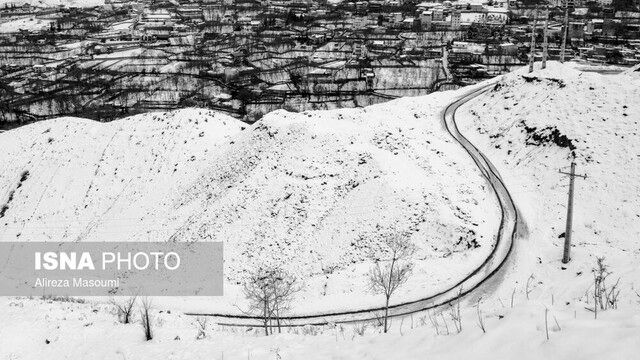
(530, 126)
(310, 192)
(78, 180)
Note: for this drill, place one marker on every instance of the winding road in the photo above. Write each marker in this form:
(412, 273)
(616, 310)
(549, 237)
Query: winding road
(500, 252)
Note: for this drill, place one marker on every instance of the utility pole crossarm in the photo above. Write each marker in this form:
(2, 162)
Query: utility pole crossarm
(576, 175)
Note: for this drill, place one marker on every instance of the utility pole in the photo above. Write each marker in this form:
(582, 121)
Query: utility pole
(545, 44)
(565, 32)
(566, 256)
(533, 41)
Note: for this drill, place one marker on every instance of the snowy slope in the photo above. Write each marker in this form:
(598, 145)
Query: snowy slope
(310, 192)
(314, 191)
(104, 182)
(531, 125)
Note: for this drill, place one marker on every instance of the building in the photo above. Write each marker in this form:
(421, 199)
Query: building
(456, 20)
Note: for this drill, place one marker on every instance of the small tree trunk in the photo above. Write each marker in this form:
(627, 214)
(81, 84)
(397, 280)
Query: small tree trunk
(388, 295)
(266, 320)
(278, 321)
(386, 314)
(595, 300)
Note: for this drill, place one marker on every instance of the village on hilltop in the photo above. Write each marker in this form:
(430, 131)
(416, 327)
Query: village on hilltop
(249, 57)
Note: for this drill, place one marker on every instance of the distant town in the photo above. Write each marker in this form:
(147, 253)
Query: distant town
(249, 57)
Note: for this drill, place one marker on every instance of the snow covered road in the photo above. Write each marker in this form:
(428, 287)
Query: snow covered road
(501, 249)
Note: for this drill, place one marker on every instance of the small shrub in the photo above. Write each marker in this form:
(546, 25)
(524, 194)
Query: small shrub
(125, 309)
(201, 326)
(309, 330)
(51, 298)
(145, 318)
(605, 296)
(360, 329)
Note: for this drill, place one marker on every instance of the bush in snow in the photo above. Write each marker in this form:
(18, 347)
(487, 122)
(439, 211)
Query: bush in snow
(125, 308)
(454, 312)
(604, 296)
(201, 326)
(359, 329)
(310, 330)
(145, 318)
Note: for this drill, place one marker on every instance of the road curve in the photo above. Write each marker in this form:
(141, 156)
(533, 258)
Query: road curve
(497, 257)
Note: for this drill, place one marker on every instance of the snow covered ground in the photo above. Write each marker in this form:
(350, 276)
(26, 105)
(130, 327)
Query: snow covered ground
(528, 125)
(27, 23)
(309, 192)
(37, 329)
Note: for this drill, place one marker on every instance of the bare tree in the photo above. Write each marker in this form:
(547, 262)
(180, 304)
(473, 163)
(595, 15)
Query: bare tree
(270, 292)
(434, 322)
(396, 267)
(145, 317)
(258, 292)
(125, 308)
(285, 287)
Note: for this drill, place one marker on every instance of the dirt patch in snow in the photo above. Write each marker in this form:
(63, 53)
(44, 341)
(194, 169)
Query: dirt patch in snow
(549, 135)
